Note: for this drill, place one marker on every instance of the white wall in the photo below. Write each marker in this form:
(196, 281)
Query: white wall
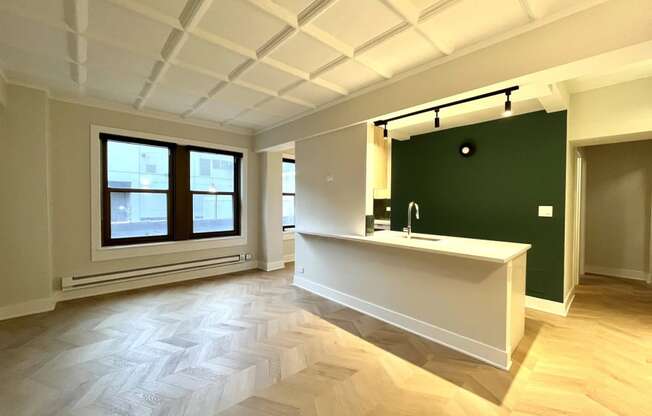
(618, 208)
(331, 182)
(271, 165)
(25, 250)
(613, 113)
(70, 177)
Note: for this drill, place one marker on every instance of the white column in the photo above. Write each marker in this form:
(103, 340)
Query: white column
(271, 164)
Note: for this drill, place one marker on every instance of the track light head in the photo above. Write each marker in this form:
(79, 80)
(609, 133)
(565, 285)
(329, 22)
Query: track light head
(508, 106)
(437, 118)
(385, 135)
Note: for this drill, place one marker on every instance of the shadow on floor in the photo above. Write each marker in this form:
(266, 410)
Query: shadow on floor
(473, 375)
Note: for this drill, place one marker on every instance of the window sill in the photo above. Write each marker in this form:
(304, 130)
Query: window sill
(166, 247)
(288, 234)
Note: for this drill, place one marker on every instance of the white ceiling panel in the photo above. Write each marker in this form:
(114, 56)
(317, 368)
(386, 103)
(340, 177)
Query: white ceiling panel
(45, 67)
(465, 22)
(281, 107)
(543, 8)
(393, 56)
(312, 93)
(108, 85)
(240, 96)
(113, 58)
(294, 6)
(355, 22)
(117, 25)
(120, 51)
(218, 111)
(266, 76)
(351, 75)
(305, 53)
(240, 22)
(185, 80)
(171, 100)
(29, 35)
(50, 11)
(209, 56)
(170, 8)
(259, 118)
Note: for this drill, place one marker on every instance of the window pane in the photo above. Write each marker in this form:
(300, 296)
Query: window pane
(212, 213)
(288, 177)
(137, 166)
(211, 172)
(138, 214)
(288, 210)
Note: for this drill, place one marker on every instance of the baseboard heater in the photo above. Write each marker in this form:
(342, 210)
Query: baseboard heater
(80, 282)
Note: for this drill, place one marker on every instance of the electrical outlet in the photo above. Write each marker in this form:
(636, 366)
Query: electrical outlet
(300, 270)
(248, 256)
(545, 210)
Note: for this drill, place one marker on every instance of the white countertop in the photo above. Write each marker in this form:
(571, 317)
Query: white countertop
(486, 250)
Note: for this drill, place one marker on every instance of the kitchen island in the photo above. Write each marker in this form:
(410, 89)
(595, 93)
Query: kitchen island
(467, 294)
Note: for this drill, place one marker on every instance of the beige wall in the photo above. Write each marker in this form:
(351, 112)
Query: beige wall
(330, 182)
(25, 257)
(611, 113)
(618, 206)
(288, 249)
(3, 91)
(70, 176)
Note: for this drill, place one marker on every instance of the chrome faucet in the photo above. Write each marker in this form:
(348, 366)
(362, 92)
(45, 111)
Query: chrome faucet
(408, 229)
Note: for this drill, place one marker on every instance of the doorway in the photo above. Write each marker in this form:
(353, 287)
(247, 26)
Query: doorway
(614, 197)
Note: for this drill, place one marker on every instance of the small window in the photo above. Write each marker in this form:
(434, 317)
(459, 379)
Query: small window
(157, 191)
(288, 193)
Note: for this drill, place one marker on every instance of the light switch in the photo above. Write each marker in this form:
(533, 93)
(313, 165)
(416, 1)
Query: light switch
(545, 210)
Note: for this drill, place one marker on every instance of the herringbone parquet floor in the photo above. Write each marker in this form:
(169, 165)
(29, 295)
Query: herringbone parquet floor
(250, 344)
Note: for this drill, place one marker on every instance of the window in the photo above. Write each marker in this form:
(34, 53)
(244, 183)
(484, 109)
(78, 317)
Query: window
(157, 191)
(214, 185)
(288, 193)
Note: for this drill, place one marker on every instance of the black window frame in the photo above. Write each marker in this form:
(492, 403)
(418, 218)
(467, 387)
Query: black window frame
(179, 201)
(236, 194)
(293, 194)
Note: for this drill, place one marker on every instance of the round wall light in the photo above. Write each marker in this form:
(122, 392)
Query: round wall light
(467, 149)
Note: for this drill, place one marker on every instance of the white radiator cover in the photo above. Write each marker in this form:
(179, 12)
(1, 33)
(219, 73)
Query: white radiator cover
(83, 282)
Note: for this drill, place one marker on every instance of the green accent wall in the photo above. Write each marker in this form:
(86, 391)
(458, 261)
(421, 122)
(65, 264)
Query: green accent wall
(519, 163)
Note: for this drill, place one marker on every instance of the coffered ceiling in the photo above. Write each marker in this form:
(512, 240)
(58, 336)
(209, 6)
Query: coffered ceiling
(243, 63)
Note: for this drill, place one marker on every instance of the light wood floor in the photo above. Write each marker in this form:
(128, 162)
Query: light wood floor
(250, 344)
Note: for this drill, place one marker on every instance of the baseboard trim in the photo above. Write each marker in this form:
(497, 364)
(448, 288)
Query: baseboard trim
(271, 266)
(48, 304)
(172, 277)
(457, 342)
(550, 306)
(27, 308)
(288, 258)
(616, 272)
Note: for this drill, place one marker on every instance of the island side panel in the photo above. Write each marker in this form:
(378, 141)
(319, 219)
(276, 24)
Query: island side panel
(447, 298)
(516, 300)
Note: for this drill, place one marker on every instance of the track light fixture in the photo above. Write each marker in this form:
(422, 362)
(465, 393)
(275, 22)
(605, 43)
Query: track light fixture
(508, 106)
(506, 113)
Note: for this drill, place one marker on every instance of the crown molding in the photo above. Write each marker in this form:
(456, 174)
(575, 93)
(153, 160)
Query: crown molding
(128, 109)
